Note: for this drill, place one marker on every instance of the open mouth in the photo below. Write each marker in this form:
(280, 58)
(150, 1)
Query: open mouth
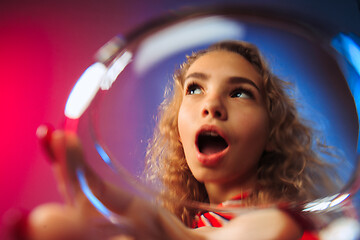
(210, 142)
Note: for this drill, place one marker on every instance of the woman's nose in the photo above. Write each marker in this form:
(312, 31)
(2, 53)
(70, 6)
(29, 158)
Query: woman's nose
(214, 107)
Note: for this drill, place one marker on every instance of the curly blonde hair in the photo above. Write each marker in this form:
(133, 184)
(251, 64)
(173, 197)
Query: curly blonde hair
(287, 173)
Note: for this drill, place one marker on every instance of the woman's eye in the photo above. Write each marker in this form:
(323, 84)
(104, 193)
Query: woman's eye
(241, 93)
(193, 89)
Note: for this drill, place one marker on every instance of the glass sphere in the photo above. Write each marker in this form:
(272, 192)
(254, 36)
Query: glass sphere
(116, 116)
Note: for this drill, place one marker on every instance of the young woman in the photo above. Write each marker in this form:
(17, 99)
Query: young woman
(227, 132)
(229, 129)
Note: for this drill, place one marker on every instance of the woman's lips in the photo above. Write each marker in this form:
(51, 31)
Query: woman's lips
(210, 159)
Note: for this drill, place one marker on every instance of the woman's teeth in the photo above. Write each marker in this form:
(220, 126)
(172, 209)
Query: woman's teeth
(212, 134)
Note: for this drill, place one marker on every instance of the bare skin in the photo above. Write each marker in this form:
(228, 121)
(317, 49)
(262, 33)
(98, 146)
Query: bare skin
(80, 220)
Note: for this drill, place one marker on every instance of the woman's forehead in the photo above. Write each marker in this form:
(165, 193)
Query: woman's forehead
(230, 64)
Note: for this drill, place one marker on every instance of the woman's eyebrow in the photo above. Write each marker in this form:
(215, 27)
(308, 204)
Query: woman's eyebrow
(198, 75)
(236, 80)
(232, 80)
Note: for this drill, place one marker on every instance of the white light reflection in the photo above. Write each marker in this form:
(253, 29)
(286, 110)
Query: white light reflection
(183, 36)
(317, 206)
(84, 90)
(339, 199)
(326, 203)
(115, 69)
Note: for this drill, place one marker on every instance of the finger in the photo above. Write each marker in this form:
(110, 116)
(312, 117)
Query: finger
(69, 163)
(52, 143)
(115, 199)
(70, 160)
(57, 146)
(54, 221)
(67, 148)
(83, 180)
(58, 222)
(64, 153)
(44, 133)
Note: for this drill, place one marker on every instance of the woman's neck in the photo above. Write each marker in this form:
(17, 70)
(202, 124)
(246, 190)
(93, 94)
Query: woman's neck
(221, 192)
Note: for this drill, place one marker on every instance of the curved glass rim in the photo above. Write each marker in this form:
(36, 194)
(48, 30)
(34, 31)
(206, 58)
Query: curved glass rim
(115, 49)
(306, 28)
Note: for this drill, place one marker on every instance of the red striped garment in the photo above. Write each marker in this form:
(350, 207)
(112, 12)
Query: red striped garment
(216, 219)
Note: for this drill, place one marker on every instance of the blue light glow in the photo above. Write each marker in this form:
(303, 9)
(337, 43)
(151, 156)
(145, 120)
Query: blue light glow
(89, 194)
(347, 46)
(104, 156)
(351, 50)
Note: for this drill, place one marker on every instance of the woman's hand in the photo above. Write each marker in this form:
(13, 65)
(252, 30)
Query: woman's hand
(78, 219)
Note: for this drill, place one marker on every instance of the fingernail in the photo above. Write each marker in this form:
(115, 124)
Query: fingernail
(44, 133)
(16, 223)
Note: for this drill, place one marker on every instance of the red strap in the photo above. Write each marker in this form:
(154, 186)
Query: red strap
(213, 221)
(309, 236)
